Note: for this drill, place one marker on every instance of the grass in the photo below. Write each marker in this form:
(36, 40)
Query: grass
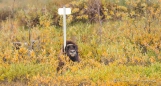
(118, 52)
(112, 74)
(126, 64)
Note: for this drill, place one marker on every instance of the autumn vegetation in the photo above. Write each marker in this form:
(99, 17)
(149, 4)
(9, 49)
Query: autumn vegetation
(119, 42)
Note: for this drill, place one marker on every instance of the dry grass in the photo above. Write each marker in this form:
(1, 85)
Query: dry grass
(118, 52)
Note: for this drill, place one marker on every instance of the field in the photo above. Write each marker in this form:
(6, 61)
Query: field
(119, 43)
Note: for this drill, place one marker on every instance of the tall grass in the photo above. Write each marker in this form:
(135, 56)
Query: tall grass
(117, 52)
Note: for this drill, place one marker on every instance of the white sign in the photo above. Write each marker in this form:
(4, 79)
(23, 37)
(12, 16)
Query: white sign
(61, 11)
(64, 11)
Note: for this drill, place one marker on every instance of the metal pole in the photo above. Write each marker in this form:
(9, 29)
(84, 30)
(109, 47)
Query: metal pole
(64, 26)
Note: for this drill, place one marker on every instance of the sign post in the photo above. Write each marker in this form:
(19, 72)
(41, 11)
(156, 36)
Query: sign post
(64, 27)
(64, 11)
